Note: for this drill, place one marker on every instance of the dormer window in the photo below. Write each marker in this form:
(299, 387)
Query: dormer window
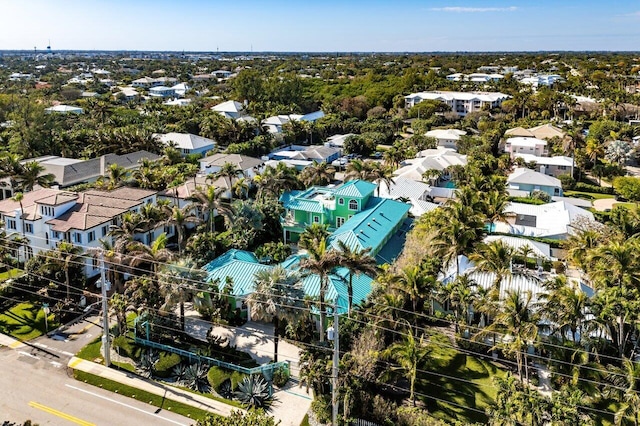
(353, 204)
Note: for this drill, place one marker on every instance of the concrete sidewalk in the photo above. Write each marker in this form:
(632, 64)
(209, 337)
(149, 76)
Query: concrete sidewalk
(10, 342)
(160, 389)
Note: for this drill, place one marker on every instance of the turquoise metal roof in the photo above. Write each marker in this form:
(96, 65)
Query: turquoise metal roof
(356, 188)
(242, 272)
(371, 227)
(233, 254)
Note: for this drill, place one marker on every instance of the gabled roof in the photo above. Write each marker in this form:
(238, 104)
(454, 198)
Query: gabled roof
(31, 199)
(243, 162)
(370, 227)
(452, 134)
(519, 131)
(526, 176)
(229, 106)
(186, 140)
(356, 188)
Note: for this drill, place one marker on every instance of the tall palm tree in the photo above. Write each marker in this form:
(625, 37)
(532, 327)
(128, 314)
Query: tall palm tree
(277, 296)
(241, 188)
(321, 262)
(229, 172)
(357, 262)
(179, 218)
(409, 353)
(517, 320)
(495, 257)
(178, 282)
(459, 238)
(461, 297)
(154, 254)
(495, 206)
(65, 255)
(565, 307)
(31, 174)
(356, 169)
(317, 174)
(208, 199)
(379, 175)
(130, 224)
(275, 180)
(624, 386)
(415, 283)
(313, 235)
(117, 175)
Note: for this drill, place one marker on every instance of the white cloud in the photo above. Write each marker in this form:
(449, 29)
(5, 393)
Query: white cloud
(462, 9)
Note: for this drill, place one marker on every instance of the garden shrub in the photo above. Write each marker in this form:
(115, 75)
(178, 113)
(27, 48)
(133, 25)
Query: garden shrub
(217, 375)
(165, 364)
(280, 377)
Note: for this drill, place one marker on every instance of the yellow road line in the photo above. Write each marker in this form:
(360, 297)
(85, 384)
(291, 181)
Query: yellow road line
(16, 344)
(75, 362)
(60, 414)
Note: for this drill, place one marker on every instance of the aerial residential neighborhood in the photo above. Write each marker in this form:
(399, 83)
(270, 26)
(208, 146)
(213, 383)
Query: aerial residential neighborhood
(391, 236)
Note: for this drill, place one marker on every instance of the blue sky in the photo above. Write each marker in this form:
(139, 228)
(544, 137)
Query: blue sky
(347, 25)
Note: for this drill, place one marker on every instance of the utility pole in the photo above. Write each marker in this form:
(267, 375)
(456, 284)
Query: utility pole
(333, 334)
(105, 314)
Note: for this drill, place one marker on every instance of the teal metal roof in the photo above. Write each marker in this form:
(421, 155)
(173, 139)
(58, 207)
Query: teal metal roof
(356, 188)
(242, 272)
(297, 200)
(370, 227)
(233, 254)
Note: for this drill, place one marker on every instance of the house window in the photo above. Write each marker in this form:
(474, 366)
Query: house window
(28, 227)
(341, 201)
(339, 221)
(562, 167)
(11, 224)
(94, 263)
(105, 230)
(56, 235)
(92, 236)
(316, 219)
(77, 237)
(353, 204)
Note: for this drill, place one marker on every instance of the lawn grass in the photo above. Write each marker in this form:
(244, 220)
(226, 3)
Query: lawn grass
(587, 195)
(475, 389)
(12, 273)
(25, 321)
(91, 352)
(140, 395)
(305, 421)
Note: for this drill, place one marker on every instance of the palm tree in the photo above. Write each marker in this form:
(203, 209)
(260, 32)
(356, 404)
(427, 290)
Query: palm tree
(356, 169)
(178, 282)
(616, 265)
(154, 254)
(229, 172)
(117, 175)
(415, 283)
(495, 257)
(409, 353)
(276, 180)
(516, 320)
(317, 174)
(380, 174)
(431, 176)
(179, 218)
(208, 199)
(495, 206)
(624, 385)
(313, 235)
(18, 197)
(65, 255)
(459, 238)
(241, 188)
(565, 307)
(277, 296)
(461, 296)
(321, 262)
(357, 262)
(31, 175)
(130, 224)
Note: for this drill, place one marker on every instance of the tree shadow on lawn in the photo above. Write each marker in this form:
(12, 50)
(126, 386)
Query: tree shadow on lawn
(17, 325)
(477, 395)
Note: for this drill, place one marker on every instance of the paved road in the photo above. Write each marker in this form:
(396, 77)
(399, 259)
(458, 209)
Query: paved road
(35, 385)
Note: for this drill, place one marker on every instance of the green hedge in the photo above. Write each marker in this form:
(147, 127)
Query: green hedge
(217, 375)
(165, 364)
(585, 187)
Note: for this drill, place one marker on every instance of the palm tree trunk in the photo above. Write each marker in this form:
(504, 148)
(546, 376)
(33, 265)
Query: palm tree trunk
(350, 293)
(323, 314)
(182, 315)
(276, 337)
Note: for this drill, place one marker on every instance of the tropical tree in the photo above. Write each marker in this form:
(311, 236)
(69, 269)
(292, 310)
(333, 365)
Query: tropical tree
(178, 282)
(229, 172)
(624, 386)
(409, 353)
(208, 199)
(379, 175)
(461, 297)
(495, 257)
(357, 262)
(64, 256)
(518, 323)
(317, 174)
(313, 235)
(180, 218)
(277, 296)
(31, 174)
(565, 307)
(415, 283)
(130, 224)
(153, 254)
(321, 262)
(495, 207)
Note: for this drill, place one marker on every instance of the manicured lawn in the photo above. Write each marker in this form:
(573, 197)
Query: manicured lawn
(155, 400)
(587, 195)
(91, 352)
(25, 321)
(474, 390)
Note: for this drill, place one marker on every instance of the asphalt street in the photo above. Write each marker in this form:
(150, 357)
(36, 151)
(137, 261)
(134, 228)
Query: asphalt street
(35, 384)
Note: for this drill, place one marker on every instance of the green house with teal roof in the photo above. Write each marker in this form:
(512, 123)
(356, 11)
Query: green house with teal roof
(353, 215)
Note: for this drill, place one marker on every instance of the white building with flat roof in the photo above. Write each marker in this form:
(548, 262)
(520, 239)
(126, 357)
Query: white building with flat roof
(524, 145)
(461, 103)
